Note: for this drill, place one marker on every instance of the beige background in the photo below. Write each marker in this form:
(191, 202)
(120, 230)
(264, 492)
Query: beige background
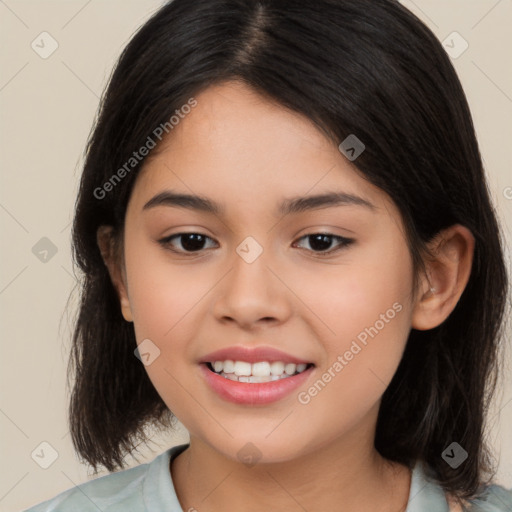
(48, 106)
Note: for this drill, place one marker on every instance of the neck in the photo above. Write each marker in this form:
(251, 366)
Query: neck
(342, 472)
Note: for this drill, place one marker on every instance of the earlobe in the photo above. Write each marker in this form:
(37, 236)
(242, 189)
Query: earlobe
(447, 276)
(105, 242)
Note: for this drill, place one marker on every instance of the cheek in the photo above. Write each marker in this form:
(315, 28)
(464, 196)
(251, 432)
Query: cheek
(364, 308)
(164, 300)
(350, 297)
(162, 295)
(371, 328)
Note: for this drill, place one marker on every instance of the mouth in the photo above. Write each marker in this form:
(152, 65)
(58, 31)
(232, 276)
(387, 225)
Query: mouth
(254, 389)
(258, 372)
(257, 375)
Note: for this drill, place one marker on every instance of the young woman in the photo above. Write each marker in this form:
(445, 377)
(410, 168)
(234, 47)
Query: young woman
(287, 243)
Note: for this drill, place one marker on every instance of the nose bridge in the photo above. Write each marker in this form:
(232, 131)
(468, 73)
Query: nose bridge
(250, 266)
(251, 291)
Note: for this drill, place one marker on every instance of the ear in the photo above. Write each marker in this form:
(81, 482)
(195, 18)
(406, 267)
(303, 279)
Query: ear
(447, 275)
(113, 261)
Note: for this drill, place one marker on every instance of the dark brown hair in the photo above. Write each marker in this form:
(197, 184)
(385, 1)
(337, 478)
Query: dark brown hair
(364, 67)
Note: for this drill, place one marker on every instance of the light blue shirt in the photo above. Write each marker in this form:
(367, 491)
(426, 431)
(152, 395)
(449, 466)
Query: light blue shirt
(149, 488)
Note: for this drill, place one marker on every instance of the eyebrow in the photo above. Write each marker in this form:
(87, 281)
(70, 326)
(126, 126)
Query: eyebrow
(288, 206)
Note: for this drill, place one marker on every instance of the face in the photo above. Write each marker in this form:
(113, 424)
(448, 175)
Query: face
(327, 283)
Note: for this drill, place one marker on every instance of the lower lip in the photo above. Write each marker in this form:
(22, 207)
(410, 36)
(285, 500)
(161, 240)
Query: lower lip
(253, 394)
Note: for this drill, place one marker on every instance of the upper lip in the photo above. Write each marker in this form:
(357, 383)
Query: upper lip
(251, 355)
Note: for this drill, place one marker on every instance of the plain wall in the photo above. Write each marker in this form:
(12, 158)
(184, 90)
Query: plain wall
(47, 109)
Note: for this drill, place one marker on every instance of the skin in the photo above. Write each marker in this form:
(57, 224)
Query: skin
(248, 154)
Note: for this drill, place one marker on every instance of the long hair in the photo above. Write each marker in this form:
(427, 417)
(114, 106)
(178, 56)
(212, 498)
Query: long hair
(364, 67)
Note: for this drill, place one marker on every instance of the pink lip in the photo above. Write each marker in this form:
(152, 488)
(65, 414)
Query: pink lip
(253, 394)
(251, 355)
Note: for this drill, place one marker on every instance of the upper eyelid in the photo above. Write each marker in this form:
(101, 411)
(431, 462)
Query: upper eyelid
(311, 233)
(342, 238)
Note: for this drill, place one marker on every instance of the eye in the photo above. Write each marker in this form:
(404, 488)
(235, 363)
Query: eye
(320, 242)
(190, 242)
(195, 242)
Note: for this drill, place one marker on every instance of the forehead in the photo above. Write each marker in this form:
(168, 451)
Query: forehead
(232, 121)
(239, 146)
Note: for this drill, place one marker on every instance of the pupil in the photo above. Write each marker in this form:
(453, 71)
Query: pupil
(320, 242)
(192, 241)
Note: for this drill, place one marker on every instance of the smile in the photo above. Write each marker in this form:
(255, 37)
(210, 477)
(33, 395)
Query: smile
(259, 372)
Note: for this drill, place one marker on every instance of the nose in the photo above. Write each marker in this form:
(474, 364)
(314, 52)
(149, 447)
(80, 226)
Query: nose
(252, 295)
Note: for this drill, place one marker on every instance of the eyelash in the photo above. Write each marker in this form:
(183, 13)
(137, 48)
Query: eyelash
(344, 243)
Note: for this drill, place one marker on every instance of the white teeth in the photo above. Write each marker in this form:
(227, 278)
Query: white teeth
(277, 368)
(259, 379)
(290, 368)
(241, 368)
(229, 366)
(262, 371)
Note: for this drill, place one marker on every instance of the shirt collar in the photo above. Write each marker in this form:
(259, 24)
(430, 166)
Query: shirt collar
(424, 493)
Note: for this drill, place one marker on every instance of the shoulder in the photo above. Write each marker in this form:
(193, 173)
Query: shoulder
(119, 491)
(426, 494)
(494, 498)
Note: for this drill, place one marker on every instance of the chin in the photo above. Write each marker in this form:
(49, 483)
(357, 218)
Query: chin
(252, 448)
